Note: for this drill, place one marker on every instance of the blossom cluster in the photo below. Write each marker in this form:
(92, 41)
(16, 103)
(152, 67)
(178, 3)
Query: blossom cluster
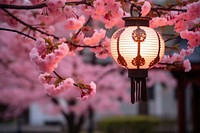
(185, 25)
(178, 59)
(57, 85)
(107, 11)
(146, 7)
(192, 37)
(104, 51)
(46, 54)
(96, 38)
(55, 6)
(87, 90)
(74, 23)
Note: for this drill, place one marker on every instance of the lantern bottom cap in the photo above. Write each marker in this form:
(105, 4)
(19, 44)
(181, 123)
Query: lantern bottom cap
(132, 73)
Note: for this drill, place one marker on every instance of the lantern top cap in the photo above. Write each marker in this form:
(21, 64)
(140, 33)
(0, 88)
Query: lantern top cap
(136, 21)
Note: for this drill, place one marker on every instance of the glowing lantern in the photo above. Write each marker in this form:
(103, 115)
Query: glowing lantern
(137, 48)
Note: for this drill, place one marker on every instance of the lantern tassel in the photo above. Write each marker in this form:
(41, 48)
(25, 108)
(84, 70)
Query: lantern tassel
(138, 85)
(132, 90)
(138, 90)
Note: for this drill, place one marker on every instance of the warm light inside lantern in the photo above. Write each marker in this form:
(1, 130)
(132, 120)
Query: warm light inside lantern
(151, 49)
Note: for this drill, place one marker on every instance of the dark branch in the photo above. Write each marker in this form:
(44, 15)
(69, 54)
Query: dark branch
(23, 7)
(83, 46)
(86, 23)
(63, 78)
(172, 38)
(78, 3)
(28, 25)
(43, 32)
(58, 75)
(171, 64)
(16, 31)
(38, 6)
(168, 9)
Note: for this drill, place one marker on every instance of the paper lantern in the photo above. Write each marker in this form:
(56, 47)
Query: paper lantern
(138, 48)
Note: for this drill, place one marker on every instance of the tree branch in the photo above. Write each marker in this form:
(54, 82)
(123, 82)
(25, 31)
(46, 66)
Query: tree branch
(28, 25)
(38, 6)
(78, 3)
(155, 9)
(58, 75)
(43, 32)
(168, 9)
(172, 38)
(22, 7)
(86, 23)
(172, 64)
(16, 31)
(83, 46)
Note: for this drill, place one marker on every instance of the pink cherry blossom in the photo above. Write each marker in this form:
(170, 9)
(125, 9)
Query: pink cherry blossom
(93, 88)
(177, 57)
(187, 65)
(156, 22)
(146, 7)
(181, 25)
(104, 51)
(69, 11)
(192, 37)
(55, 6)
(69, 82)
(54, 89)
(186, 52)
(87, 90)
(45, 61)
(96, 37)
(107, 11)
(167, 59)
(35, 1)
(194, 10)
(74, 24)
(45, 78)
(100, 7)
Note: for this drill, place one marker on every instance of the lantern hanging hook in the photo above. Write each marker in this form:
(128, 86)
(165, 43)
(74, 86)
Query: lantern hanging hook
(137, 9)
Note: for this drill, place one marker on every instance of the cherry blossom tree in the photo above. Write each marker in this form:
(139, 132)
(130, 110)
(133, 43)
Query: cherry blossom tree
(20, 86)
(51, 32)
(59, 28)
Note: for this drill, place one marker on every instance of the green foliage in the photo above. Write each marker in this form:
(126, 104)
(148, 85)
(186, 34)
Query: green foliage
(128, 124)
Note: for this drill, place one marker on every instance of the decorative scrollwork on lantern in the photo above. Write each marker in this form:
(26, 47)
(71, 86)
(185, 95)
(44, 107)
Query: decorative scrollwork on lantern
(121, 61)
(138, 35)
(156, 60)
(118, 33)
(120, 58)
(138, 61)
